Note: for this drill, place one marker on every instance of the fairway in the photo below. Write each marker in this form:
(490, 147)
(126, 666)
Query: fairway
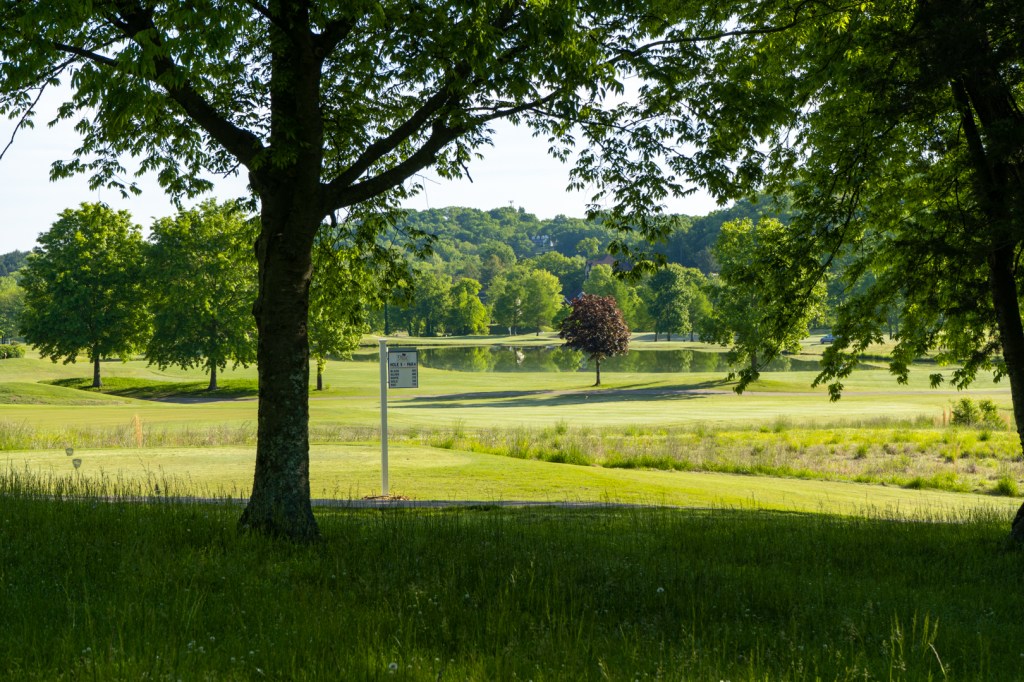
(479, 400)
(351, 472)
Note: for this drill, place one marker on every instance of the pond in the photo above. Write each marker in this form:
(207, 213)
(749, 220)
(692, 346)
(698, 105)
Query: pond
(561, 359)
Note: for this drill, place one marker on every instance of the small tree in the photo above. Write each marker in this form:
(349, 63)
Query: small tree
(543, 298)
(431, 302)
(83, 288)
(669, 301)
(506, 294)
(595, 326)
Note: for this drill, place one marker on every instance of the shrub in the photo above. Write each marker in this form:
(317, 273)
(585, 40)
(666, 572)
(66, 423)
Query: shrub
(965, 412)
(990, 415)
(11, 350)
(1007, 486)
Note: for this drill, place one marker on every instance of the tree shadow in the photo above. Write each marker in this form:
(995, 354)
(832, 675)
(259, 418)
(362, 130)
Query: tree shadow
(559, 398)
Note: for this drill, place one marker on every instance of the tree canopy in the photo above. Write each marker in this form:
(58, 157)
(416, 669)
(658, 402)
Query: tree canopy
(12, 304)
(467, 314)
(346, 285)
(750, 292)
(675, 303)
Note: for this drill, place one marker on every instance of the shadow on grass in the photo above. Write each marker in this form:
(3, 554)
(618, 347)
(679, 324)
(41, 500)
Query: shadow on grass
(166, 391)
(587, 396)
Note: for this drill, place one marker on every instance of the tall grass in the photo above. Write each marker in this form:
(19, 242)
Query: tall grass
(897, 453)
(22, 435)
(115, 590)
(892, 453)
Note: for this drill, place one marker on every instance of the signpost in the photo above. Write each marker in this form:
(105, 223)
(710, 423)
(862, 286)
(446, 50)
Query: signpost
(399, 367)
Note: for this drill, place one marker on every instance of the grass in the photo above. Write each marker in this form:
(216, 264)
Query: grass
(25, 393)
(351, 471)
(909, 454)
(148, 389)
(784, 566)
(676, 422)
(121, 590)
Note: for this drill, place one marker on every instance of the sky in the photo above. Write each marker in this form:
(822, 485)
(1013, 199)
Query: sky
(516, 171)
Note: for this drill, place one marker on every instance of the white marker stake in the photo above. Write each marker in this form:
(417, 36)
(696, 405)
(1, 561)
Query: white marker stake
(384, 416)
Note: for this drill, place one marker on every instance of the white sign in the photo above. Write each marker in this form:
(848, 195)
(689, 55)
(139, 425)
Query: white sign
(403, 368)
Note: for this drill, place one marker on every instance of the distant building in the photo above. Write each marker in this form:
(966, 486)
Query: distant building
(606, 259)
(542, 243)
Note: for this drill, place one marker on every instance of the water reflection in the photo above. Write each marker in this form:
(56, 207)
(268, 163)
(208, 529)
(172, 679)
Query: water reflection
(561, 359)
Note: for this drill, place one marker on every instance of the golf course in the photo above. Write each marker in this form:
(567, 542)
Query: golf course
(668, 438)
(659, 526)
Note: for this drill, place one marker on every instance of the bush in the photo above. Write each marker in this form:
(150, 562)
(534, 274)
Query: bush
(965, 412)
(1007, 486)
(10, 350)
(990, 414)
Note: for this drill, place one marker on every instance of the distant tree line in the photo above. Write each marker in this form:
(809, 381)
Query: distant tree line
(505, 271)
(184, 296)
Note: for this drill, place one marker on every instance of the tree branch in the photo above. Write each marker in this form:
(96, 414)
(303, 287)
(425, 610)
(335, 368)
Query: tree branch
(335, 32)
(22, 119)
(94, 57)
(339, 196)
(386, 145)
(712, 37)
(241, 143)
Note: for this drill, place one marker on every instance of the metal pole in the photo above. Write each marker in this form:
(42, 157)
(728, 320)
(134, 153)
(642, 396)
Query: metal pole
(384, 416)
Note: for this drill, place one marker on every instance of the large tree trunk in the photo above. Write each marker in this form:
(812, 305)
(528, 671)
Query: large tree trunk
(1011, 337)
(96, 382)
(213, 377)
(291, 210)
(280, 500)
(986, 104)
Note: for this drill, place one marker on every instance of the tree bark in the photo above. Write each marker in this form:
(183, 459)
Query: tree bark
(319, 377)
(96, 381)
(597, 364)
(1011, 337)
(987, 105)
(280, 500)
(213, 377)
(292, 207)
